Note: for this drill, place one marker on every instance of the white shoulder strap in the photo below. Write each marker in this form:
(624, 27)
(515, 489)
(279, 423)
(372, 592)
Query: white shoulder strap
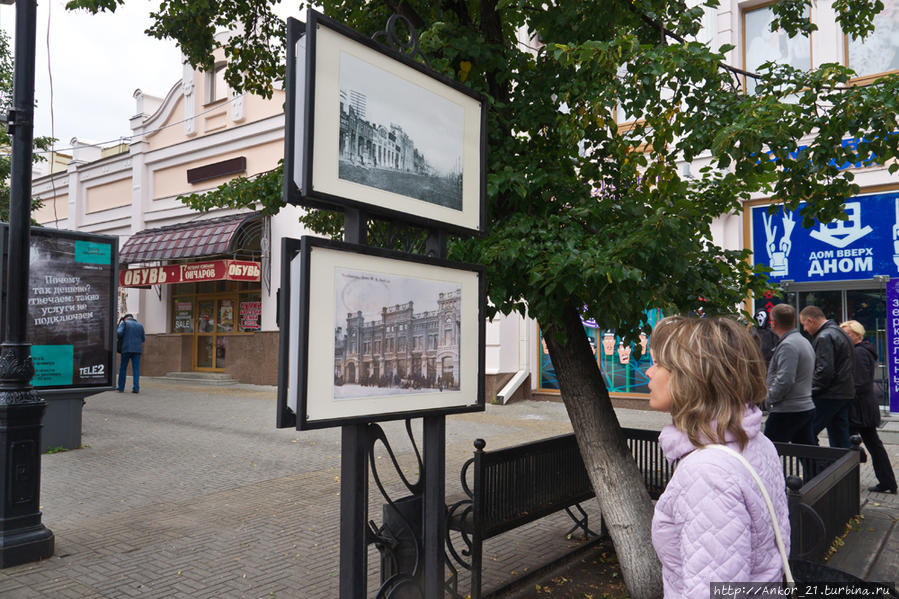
(788, 574)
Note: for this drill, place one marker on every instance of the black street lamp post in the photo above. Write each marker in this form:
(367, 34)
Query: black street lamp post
(23, 538)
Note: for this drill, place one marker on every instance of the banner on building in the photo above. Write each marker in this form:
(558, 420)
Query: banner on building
(195, 272)
(71, 309)
(892, 358)
(862, 246)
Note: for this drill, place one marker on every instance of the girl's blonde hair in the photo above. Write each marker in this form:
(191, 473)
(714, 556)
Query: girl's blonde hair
(717, 370)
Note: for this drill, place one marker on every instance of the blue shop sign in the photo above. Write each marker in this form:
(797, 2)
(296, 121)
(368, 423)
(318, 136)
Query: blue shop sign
(864, 245)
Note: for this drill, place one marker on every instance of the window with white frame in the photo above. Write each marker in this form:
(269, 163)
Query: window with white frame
(879, 52)
(761, 45)
(216, 88)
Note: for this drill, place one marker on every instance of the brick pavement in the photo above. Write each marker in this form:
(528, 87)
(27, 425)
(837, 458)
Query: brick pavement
(190, 492)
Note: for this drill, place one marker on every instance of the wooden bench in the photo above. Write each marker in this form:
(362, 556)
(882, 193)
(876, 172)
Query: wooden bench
(517, 485)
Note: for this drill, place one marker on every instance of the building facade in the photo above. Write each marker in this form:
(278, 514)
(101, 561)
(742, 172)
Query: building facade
(200, 135)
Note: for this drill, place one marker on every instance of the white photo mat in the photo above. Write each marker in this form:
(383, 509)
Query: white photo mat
(329, 47)
(321, 404)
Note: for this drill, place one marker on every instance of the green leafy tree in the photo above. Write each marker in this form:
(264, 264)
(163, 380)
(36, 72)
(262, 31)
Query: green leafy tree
(588, 218)
(6, 102)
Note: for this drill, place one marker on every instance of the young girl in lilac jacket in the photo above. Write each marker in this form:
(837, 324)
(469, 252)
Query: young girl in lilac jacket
(712, 523)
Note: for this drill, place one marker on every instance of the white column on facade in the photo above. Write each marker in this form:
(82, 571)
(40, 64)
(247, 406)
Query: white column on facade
(140, 199)
(189, 89)
(237, 107)
(76, 196)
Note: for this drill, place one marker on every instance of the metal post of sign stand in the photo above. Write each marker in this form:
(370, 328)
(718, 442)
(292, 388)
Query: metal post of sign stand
(434, 441)
(354, 476)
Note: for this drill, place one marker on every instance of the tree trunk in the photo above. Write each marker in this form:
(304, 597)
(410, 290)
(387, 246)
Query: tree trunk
(619, 485)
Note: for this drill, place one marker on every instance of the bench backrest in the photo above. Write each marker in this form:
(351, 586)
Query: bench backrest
(520, 484)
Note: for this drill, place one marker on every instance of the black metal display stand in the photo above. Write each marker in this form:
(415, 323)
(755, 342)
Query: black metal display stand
(412, 537)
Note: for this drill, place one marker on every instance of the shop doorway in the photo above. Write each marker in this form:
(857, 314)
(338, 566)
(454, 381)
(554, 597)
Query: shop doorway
(214, 314)
(215, 321)
(864, 301)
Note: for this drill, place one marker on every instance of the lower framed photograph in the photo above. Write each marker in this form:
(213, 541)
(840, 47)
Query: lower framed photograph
(379, 335)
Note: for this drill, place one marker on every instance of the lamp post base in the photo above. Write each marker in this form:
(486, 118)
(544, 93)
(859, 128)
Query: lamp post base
(23, 538)
(25, 546)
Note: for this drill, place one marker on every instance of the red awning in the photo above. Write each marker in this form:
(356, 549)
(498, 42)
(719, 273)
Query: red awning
(211, 237)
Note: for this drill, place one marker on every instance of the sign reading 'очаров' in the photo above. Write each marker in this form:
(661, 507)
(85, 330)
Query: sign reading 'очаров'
(198, 272)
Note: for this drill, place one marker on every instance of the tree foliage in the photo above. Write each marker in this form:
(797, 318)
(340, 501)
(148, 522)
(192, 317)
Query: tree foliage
(586, 216)
(581, 211)
(6, 102)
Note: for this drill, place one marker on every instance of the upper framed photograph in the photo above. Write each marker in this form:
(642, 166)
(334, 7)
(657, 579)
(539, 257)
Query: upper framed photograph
(372, 129)
(393, 336)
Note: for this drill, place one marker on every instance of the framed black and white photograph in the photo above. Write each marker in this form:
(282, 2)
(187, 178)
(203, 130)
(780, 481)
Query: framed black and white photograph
(382, 335)
(373, 129)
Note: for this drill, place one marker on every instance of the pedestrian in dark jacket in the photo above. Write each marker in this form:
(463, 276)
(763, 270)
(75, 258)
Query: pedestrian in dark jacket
(864, 413)
(832, 384)
(132, 336)
(764, 335)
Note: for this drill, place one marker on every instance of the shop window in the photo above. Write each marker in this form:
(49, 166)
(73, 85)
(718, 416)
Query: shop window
(762, 45)
(250, 312)
(623, 365)
(879, 52)
(226, 316)
(182, 315)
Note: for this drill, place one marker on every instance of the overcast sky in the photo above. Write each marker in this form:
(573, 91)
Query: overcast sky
(97, 63)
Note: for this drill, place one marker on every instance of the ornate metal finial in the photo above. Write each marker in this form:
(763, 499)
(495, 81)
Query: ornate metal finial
(391, 38)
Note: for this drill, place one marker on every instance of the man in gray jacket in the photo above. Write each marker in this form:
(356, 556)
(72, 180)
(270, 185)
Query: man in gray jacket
(789, 401)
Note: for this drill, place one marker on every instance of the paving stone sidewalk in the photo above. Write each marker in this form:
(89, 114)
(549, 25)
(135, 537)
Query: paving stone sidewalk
(190, 492)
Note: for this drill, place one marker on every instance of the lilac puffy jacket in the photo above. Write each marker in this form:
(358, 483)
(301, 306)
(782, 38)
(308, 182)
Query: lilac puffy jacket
(712, 524)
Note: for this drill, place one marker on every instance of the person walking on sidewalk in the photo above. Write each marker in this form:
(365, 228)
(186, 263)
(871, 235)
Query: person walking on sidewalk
(712, 522)
(864, 413)
(789, 381)
(132, 335)
(832, 384)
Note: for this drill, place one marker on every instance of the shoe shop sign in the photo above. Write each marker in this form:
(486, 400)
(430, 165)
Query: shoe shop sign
(862, 246)
(195, 272)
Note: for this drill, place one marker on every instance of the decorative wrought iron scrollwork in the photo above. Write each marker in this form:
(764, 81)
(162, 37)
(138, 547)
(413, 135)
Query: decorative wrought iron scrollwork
(391, 38)
(387, 541)
(456, 515)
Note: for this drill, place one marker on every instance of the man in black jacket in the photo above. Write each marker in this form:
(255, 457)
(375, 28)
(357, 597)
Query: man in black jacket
(832, 383)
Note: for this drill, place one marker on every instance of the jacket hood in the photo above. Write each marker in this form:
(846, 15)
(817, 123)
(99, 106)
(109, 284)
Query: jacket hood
(865, 344)
(676, 444)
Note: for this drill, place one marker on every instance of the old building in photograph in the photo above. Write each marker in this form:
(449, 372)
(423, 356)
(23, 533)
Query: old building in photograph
(402, 347)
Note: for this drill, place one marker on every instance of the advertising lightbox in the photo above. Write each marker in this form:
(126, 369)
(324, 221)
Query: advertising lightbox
(71, 309)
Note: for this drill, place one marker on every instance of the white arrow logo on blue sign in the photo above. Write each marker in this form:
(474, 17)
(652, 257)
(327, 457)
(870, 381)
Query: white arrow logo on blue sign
(840, 233)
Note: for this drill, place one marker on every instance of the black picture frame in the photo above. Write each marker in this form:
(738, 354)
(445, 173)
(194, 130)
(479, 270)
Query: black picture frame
(316, 392)
(312, 179)
(84, 346)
